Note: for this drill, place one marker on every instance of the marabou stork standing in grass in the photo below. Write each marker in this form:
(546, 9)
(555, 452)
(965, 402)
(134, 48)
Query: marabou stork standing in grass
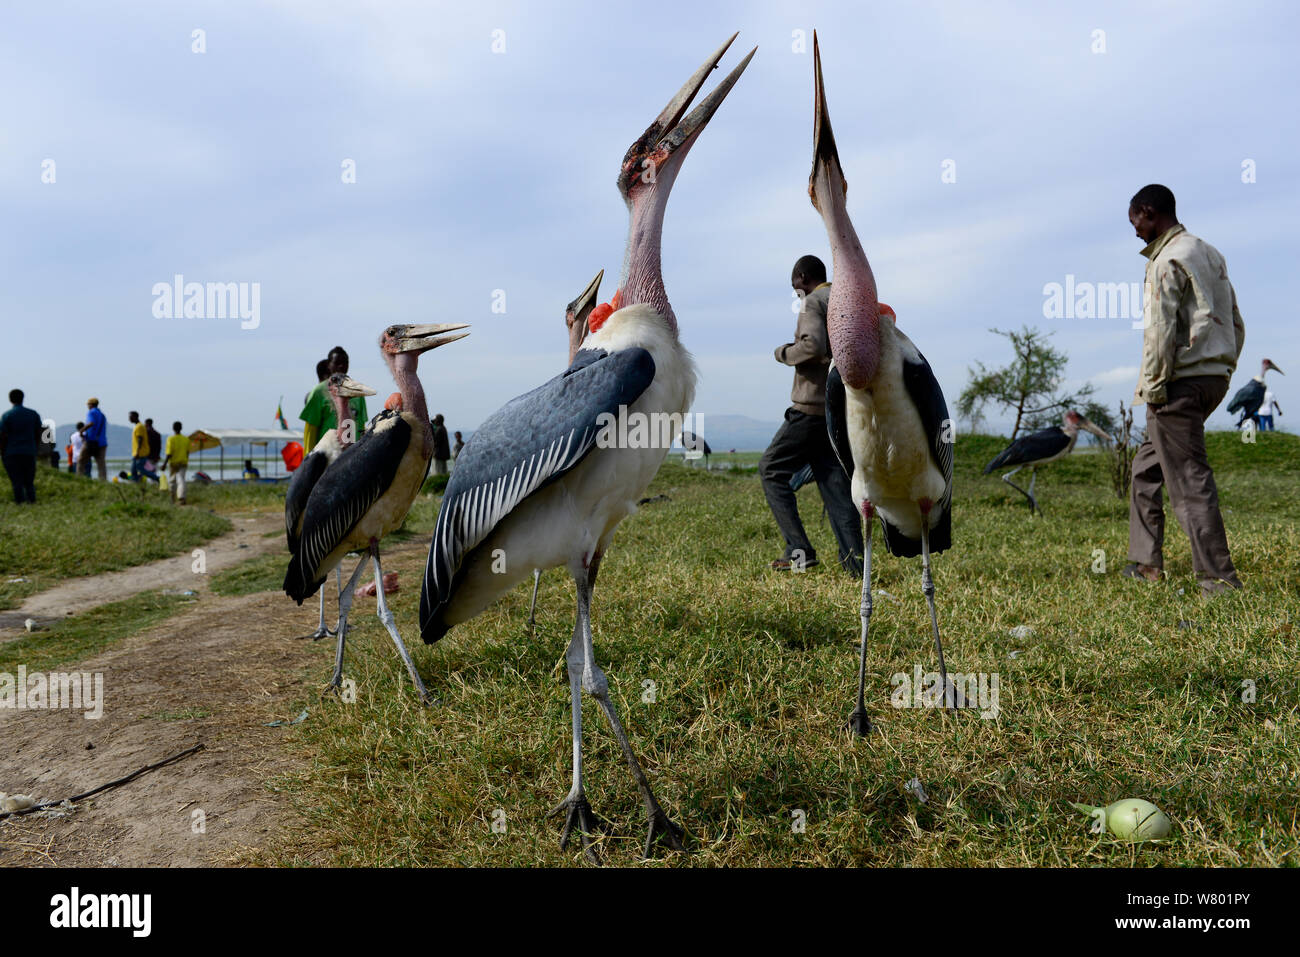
(1251, 395)
(536, 487)
(367, 491)
(1039, 448)
(885, 411)
(576, 315)
(341, 388)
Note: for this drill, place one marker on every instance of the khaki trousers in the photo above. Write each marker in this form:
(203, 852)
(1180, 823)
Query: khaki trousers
(1173, 456)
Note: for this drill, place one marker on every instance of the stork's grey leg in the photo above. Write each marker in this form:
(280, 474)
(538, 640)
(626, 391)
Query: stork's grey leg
(594, 683)
(345, 605)
(859, 723)
(1033, 502)
(927, 586)
(321, 630)
(386, 616)
(1007, 478)
(532, 609)
(578, 810)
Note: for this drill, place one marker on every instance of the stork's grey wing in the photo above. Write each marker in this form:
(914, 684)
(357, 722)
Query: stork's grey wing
(295, 497)
(342, 495)
(524, 446)
(1034, 447)
(1248, 398)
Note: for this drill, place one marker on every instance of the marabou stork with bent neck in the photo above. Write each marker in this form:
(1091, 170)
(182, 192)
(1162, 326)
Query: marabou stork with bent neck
(576, 315)
(342, 388)
(1039, 448)
(534, 486)
(369, 488)
(885, 412)
(1250, 396)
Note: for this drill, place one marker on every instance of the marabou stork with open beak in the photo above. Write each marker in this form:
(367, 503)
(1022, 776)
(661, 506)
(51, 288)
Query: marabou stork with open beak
(576, 314)
(342, 388)
(1251, 395)
(1039, 448)
(885, 412)
(535, 486)
(367, 491)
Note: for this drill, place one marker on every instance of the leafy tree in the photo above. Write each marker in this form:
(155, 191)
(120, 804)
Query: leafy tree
(1030, 386)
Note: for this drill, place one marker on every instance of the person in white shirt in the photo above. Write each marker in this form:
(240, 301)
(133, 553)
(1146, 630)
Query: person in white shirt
(1265, 414)
(77, 441)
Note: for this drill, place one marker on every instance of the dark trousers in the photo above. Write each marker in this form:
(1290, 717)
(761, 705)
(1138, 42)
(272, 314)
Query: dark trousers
(22, 476)
(802, 440)
(1174, 456)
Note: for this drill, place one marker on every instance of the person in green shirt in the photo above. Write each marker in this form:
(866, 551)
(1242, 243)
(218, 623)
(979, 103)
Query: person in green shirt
(318, 413)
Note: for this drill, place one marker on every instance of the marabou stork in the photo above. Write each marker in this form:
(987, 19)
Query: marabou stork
(369, 488)
(576, 315)
(885, 412)
(1251, 395)
(535, 486)
(342, 388)
(1039, 448)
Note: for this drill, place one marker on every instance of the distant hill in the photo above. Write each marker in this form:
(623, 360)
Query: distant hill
(739, 432)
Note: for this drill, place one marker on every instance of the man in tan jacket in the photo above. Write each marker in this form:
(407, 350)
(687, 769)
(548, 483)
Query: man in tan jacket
(803, 439)
(1192, 336)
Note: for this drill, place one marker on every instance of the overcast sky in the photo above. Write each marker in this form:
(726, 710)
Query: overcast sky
(478, 171)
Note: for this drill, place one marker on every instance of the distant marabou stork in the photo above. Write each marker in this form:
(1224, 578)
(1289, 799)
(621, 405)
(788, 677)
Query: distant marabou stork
(1251, 395)
(533, 485)
(1039, 448)
(885, 412)
(367, 491)
(341, 388)
(576, 315)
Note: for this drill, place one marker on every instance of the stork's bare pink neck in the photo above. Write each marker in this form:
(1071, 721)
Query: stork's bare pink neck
(642, 278)
(405, 366)
(342, 413)
(853, 313)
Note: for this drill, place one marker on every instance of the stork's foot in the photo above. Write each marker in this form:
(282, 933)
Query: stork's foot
(321, 632)
(663, 829)
(588, 823)
(858, 722)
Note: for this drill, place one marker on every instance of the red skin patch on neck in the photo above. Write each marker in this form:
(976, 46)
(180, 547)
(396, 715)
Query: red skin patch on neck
(604, 311)
(394, 402)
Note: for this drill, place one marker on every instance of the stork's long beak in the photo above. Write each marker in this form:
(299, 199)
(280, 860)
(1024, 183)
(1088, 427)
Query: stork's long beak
(421, 338)
(579, 310)
(674, 130)
(350, 388)
(1276, 369)
(826, 158)
(1097, 430)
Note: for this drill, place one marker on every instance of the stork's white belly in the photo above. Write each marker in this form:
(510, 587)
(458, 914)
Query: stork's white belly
(894, 467)
(574, 518)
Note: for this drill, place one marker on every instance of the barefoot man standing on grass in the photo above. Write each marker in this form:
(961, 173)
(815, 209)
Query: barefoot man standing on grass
(1192, 336)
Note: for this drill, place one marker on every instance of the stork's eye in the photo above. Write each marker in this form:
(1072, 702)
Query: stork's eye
(392, 331)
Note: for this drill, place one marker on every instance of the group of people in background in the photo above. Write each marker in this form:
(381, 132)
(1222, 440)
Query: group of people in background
(24, 439)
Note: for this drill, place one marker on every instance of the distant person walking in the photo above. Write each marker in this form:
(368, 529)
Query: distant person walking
(95, 435)
(1193, 334)
(155, 443)
(176, 460)
(1266, 411)
(318, 411)
(75, 444)
(20, 438)
(441, 450)
(803, 440)
(455, 449)
(139, 448)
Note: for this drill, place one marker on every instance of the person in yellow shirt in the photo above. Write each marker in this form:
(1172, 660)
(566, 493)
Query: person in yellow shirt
(176, 459)
(139, 448)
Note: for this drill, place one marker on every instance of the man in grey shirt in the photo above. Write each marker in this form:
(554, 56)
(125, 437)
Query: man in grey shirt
(803, 439)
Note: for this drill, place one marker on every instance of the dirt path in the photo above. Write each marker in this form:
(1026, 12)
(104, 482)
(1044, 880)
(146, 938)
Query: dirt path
(217, 673)
(246, 540)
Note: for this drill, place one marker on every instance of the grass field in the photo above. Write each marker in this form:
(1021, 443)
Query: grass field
(734, 683)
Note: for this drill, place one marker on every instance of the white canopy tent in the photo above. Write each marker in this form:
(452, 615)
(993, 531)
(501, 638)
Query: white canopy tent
(222, 439)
